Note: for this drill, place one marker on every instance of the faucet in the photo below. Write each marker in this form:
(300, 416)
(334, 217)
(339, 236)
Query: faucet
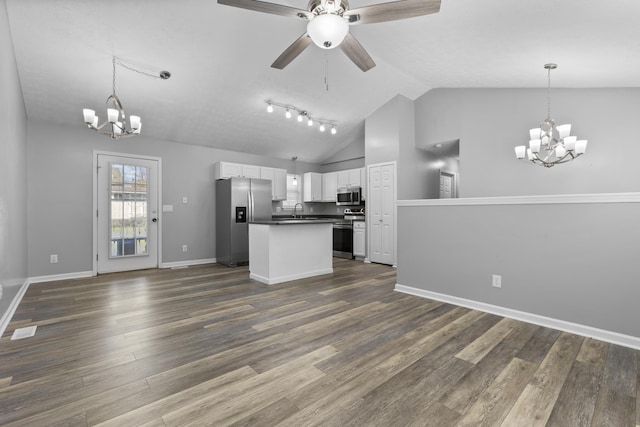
(295, 208)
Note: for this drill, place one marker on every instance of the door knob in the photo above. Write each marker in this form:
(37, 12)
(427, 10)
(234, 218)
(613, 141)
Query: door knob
(154, 220)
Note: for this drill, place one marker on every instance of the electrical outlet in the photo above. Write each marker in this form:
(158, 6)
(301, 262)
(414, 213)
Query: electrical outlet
(185, 200)
(53, 258)
(496, 281)
(184, 248)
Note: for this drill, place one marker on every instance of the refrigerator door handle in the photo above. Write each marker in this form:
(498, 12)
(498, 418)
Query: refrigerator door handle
(253, 207)
(250, 206)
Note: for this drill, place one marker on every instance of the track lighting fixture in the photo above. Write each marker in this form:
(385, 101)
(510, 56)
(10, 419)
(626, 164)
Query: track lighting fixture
(302, 115)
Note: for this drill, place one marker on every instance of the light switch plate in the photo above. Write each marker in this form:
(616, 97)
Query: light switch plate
(167, 208)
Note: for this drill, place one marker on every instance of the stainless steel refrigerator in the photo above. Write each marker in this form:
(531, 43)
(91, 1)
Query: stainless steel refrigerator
(239, 201)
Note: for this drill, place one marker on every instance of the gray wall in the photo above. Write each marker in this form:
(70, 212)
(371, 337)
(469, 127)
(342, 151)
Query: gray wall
(350, 157)
(576, 263)
(13, 165)
(60, 194)
(390, 136)
(571, 262)
(490, 122)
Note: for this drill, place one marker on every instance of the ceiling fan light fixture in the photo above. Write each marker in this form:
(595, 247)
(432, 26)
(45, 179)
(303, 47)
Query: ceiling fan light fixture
(328, 30)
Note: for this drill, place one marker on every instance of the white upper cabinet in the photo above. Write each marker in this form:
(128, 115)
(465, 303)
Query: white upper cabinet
(278, 177)
(350, 178)
(312, 187)
(267, 173)
(250, 171)
(329, 186)
(224, 170)
(280, 184)
(355, 179)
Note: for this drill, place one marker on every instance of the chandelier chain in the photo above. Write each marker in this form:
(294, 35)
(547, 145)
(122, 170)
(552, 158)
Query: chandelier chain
(123, 65)
(549, 93)
(114, 75)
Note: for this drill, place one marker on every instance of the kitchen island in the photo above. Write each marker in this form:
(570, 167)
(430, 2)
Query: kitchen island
(284, 250)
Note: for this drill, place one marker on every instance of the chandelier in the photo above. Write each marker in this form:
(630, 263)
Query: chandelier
(550, 144)
(302, 116)
(118, 125)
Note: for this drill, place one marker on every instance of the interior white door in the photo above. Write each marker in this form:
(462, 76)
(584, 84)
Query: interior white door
(447, 185)
(381, 206)
(127, 216)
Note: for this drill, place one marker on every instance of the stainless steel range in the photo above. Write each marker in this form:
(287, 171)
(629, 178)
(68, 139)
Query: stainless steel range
(343, 233)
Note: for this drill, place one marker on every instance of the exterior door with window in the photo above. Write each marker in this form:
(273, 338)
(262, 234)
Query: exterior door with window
(127, 216)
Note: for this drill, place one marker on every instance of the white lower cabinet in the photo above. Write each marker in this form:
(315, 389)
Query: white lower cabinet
(359, 233)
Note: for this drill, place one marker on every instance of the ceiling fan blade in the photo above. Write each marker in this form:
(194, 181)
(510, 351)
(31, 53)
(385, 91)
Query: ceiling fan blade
(276, 9)
(354, 50)
(292, 52)
(392, 11)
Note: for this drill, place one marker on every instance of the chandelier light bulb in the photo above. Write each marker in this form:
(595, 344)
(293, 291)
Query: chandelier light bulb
(322, 128)
(287, 114)
(269, 108)
(89, 115)
(310, 122)
(300, 117)
(333, 130)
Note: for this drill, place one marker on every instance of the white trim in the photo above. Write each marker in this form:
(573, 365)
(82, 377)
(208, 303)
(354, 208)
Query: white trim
(64, 276)
(8, 315)
(188, 263)
(528, 200)
(290, 277)
(548, 322)
(94, 174)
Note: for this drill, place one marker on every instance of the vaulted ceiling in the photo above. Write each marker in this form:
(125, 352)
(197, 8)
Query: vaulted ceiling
(220, 57)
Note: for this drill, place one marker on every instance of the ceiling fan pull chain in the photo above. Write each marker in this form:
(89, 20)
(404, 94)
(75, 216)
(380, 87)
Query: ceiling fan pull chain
(326, 71)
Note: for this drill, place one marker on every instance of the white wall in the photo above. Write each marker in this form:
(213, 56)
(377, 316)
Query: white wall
(60, 194)
(13, 165)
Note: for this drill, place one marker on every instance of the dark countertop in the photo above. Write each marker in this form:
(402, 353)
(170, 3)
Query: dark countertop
(293, 221)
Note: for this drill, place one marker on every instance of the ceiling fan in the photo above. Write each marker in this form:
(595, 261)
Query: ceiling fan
(329, 21)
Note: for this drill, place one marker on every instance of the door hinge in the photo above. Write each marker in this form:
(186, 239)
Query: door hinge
(96, 213)
(96, 257)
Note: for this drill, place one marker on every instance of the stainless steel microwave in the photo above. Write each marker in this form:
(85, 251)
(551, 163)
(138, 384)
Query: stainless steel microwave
(349, 196)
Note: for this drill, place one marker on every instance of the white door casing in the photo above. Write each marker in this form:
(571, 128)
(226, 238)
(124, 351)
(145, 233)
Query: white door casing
(126, 200)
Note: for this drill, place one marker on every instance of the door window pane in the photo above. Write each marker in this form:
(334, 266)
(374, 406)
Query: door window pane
(129, 209)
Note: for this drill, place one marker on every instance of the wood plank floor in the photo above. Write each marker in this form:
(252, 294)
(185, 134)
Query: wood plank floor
(207, 346)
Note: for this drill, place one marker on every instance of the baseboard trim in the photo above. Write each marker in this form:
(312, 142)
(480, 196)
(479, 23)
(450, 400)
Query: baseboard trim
(562, 325)
(8, 315)
(64, 276)
(290, 277)
(188, 263)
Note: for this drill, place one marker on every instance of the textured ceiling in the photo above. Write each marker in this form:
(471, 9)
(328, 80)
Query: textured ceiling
(220, 58)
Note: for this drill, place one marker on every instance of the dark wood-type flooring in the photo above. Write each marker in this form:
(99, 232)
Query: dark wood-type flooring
(207, 346)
